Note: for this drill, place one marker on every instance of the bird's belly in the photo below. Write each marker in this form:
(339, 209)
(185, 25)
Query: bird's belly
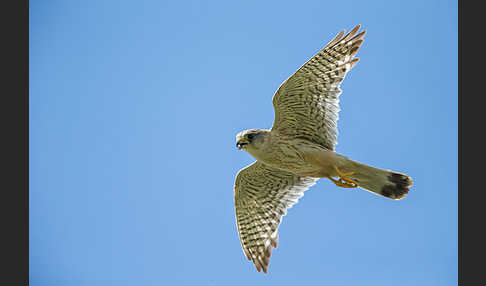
(301, 168)
(295, 159)
(306, 160)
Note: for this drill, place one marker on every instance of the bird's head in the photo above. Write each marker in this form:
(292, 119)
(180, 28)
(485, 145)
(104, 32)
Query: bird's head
(251, 139)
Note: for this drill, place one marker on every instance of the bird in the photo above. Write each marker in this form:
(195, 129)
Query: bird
(299, 149)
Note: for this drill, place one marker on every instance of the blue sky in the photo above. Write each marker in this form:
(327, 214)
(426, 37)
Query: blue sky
(134, 108)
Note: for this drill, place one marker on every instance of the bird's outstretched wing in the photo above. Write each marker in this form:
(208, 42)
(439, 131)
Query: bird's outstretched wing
(262, 196)
(307, 103)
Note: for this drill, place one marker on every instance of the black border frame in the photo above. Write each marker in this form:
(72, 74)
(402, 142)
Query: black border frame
(15, 143)
(470, 125)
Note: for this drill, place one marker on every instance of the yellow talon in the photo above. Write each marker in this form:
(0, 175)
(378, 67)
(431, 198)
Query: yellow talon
(343, 181)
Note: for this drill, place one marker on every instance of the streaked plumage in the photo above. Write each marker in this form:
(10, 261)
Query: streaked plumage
(299, 149)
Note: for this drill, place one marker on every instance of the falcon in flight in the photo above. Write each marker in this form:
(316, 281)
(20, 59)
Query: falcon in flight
(299, 149)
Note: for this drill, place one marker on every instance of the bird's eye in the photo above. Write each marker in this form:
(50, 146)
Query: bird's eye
(250, 137)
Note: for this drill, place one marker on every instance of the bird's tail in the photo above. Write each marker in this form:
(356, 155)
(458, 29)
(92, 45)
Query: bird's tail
(385, 183)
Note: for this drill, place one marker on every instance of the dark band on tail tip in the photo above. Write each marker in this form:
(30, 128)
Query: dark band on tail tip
(398, 188)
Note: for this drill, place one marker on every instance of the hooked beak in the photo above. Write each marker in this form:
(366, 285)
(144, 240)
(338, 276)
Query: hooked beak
(240, 145)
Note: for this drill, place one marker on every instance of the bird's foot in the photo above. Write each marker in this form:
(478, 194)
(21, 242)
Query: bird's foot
(343, 181)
